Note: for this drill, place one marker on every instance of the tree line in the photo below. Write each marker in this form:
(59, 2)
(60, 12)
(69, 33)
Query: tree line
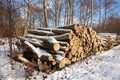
(19, 15)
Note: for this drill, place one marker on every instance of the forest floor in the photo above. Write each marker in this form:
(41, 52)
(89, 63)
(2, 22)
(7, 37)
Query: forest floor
(103, 66)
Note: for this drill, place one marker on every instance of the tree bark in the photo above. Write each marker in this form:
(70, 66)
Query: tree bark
(50, 45)
(45, 13)
(57, 31)
(41, 32)
(92, 8)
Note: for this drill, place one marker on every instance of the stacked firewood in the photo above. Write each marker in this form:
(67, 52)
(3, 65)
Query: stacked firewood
(59, 47)
(109, 42)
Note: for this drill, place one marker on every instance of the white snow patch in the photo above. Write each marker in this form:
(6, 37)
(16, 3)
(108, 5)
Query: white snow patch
(38, 51)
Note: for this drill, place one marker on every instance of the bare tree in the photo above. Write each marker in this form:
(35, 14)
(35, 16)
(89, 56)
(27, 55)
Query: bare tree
(100, 14)
(71, 11)
(105, 13)
(85, 12)
(26, 17)
(45, 13)
(92, 8)
(10, 20)
(58, 3)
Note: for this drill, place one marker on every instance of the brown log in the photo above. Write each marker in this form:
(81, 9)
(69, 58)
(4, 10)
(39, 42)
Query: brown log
(68, 62)
(80, 49)
(83, 55)
(71, 42)
(66, 36)
(53, 63)
(41, 32)
(33, 49)
(43, 66)
(48, 60)
(45, 58)
(50, 46)
(28, 63)
(76, 54)
(48, 41)
(56, 31)
(74, 59)
(18, 55)
(74, 27)
(60, 61)
(76, 41)
(74, 49)
(32, 41)
(69, 55)
(40, 53)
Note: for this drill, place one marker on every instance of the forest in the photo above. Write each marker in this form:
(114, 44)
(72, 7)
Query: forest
(16, 16)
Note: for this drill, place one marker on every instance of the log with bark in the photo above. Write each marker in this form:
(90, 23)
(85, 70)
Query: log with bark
(18, 56)
(74, 27)
(49, 43)
(41, 32)
(56, 31)
(61, 61)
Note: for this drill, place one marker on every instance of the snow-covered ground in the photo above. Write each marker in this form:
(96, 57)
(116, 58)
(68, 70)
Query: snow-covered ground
(103, 66)
(8, 71)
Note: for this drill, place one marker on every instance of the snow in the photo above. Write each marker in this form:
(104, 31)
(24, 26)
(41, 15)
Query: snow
(49, 38)
(103, 66)
(44, 52)
(38, 51)
(8, 71)
(52, 40)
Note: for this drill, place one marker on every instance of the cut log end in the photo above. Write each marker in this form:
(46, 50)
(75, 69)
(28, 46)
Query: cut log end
(62, 63)
(56, 47)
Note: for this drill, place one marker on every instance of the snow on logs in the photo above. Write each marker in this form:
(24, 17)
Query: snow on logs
(41, 32)
(61, 46)
(46, 42)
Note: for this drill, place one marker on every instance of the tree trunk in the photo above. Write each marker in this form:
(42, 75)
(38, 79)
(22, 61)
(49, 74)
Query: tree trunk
(26, 17)
(9, 3)
(100, 16)
(58, 14)
(45, 13)
(92, 8)
(105, 13)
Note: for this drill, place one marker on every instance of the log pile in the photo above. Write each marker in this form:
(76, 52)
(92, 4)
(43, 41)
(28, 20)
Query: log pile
(109, 42)
(53, 49)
